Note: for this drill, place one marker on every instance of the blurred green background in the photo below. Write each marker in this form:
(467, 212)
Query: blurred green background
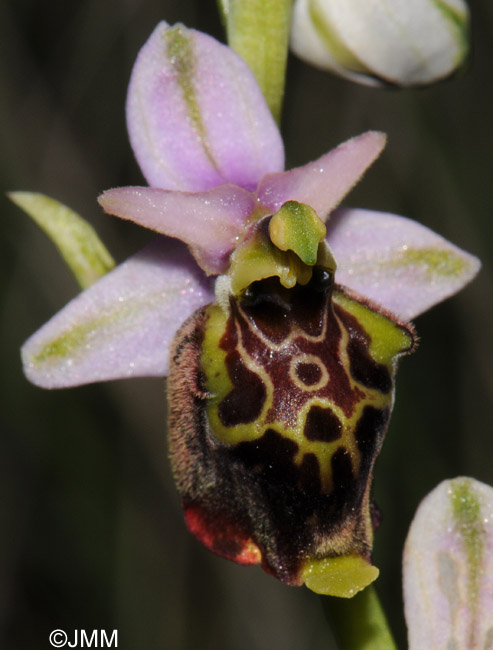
(91, 532)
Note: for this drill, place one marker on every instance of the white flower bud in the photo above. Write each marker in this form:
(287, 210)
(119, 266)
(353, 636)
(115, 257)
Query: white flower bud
(375, 42)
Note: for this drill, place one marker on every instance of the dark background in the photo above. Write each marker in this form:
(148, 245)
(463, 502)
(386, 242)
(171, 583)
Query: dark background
(91, 530)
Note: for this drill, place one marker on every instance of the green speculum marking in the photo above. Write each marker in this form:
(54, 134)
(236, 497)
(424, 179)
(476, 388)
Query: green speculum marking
(182, 56)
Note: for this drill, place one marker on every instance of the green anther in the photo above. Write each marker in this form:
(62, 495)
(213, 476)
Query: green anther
(289, 249)
(297, 227)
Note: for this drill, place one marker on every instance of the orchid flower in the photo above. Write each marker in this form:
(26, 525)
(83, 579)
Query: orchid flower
(280, 382)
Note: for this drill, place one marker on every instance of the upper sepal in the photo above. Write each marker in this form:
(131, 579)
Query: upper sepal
(448, 568)
(121, 326)
(196, 116)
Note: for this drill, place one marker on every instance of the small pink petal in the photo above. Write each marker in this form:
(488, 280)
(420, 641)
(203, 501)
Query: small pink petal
(209, 222)
(323, 183)
(123, 324)
(196, 116)
(448, 568)
(397, 262)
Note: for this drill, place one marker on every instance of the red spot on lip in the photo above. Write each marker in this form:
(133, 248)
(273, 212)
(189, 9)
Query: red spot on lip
(221, 536)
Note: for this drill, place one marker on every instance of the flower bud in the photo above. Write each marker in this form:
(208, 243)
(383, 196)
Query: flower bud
(375, 43)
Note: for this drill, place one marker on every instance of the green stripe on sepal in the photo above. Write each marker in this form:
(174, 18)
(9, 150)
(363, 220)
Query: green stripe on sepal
(436, 263)
(77, 241)
(448, 564)
(180, 52)
(466, 511)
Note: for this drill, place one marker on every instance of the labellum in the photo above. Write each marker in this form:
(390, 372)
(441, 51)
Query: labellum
(280, 395)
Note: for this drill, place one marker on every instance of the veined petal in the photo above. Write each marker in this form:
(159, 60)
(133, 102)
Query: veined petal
(121, 326)
(397, 262)
(323, 183)
(209, 222)
(196, 116)
(448, 568)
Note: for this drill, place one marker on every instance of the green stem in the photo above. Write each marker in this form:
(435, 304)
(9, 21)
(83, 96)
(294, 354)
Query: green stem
(359, 623)
(258, 30)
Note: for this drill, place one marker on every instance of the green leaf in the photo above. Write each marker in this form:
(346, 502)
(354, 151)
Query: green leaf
(77, 241)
